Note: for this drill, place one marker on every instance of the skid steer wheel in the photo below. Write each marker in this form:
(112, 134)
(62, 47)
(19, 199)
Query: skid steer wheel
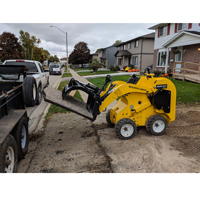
(156, 125)
(108, 118)
(125, 129)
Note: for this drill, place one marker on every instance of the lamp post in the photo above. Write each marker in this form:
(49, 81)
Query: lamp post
(66, 44)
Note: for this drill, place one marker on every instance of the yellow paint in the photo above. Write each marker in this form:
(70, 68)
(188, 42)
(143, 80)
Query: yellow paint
(135, 95)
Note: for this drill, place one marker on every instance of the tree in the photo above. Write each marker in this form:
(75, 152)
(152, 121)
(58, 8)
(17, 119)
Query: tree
(95, 65)
(47, 54)
(117, 42)
(54, 58)
(80, 54)
(40, 54)
(9, 47)
(28, 43)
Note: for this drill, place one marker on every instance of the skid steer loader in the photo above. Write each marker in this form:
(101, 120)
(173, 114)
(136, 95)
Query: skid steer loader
(142, 101)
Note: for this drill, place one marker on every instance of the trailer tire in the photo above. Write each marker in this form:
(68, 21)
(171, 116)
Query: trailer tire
(125, 129)
(39, 95)
(21, 136)
(29, 89)
(8, 155)
(156, 125)
(108, 118)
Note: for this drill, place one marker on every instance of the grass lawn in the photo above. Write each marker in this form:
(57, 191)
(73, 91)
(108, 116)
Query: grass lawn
(56, 109)
(79, 69)
(98, 72)
(66, 75)
(187, 92)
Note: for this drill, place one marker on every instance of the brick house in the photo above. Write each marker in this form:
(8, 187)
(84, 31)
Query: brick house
(137, 52)
(176, 42)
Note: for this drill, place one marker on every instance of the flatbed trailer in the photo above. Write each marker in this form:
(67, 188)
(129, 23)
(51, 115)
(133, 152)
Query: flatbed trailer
(13, 118)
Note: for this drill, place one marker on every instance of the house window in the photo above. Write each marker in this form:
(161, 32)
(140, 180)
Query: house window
(136, 43)
(182, 26)
(119, 61)
(118, 48)
(160, 60)
(163, 31)
(124, 47)
(129, 45)
(135, 61)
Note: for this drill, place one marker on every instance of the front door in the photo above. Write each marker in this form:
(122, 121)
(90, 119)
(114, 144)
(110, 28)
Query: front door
(178, 58)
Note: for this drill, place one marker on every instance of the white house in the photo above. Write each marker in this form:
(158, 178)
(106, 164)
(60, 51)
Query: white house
(179, 42)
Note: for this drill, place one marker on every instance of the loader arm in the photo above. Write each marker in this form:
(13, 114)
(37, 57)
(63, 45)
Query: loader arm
(121, 89)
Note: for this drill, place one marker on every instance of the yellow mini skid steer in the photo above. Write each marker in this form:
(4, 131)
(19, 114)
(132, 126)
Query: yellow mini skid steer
(143, 101)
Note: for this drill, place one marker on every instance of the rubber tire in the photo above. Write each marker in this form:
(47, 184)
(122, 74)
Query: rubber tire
(27, 89)
(119, 125)
(9, 141)
(48, 81)
(150, 122)
(108, 118)
(39, 92)
(17, 135)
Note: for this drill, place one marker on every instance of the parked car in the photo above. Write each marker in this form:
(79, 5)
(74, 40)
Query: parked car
(55, 68)
(39, 79)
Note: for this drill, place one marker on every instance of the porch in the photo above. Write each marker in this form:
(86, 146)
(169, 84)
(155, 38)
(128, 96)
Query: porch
(187, 71)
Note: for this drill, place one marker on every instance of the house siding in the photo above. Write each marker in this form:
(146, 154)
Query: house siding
(109, 54)
(158, 43)
(185, 40)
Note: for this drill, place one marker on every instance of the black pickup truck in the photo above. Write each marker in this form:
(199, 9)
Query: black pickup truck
(13, 117)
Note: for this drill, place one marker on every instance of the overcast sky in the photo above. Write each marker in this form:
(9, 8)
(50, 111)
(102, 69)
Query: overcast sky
(96, 35)
(99, 24)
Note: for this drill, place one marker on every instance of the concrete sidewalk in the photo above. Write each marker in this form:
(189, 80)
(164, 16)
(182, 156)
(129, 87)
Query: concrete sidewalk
(99, 75)
(81, 79)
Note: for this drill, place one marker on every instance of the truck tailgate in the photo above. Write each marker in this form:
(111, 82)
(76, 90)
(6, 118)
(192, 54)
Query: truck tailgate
(70, 103)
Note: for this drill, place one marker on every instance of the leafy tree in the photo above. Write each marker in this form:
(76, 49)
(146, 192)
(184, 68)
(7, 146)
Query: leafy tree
(98, 50)
(80, 54)
(47, 54)
(117, 42)
(95, 65)
(39, 54)
(28, 43)
(54, 58)
(9, 47)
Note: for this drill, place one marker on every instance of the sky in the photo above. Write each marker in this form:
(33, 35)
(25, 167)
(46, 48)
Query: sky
(96, 35)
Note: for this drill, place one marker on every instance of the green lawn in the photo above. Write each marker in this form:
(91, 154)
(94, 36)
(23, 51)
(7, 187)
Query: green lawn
(66, 75)
(56, 109)
(79, 69)
(187, 92)
(98, 72)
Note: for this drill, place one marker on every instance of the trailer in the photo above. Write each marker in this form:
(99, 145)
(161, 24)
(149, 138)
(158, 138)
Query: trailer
(13, 117)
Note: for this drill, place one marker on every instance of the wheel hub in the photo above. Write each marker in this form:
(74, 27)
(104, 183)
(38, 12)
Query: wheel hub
(9, 160)
(158, 126)
(127, 130)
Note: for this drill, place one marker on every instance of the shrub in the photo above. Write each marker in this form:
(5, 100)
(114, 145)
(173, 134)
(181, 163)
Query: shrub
(95, 65)
(114, 68)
